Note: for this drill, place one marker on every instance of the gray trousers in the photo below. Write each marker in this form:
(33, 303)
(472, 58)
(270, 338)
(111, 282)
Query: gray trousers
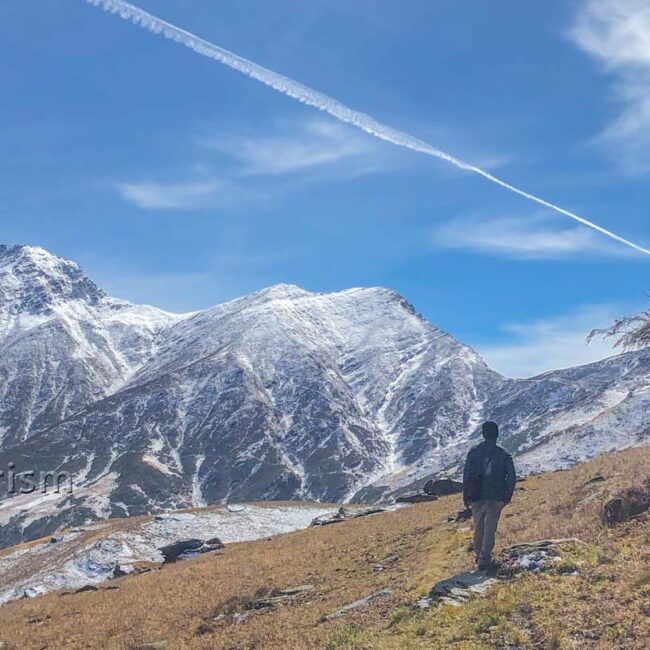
(486, 518)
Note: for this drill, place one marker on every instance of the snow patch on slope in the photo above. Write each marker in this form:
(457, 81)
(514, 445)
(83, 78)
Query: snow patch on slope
(73, 562)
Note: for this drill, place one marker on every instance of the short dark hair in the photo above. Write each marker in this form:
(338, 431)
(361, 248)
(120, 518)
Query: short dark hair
(490, 430)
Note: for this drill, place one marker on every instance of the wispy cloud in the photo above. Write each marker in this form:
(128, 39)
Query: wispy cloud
(315, 143)
(533, 237)
(150, 195)
(280, 158)
(558, 341)
(314, 150)
(617, 34)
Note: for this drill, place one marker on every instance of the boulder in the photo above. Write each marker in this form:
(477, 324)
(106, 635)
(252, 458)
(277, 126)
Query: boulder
(298, 589)
(536, 557)
(461, 515)
(416, 498)
(366, 512)
(362, 602)
(330, 518)
(172, 552)
(342, 514)
(214, 543)
(387, 563)
(118, 571)
(458, 589)
(188, 547)
(279, 596)
(625, 506)
(443, 487)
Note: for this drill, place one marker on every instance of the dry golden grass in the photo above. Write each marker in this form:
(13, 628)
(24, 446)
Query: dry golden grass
(607, 605)
(179, 606)
(566, 503)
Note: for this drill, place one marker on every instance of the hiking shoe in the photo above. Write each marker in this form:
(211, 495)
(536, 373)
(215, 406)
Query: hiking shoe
(488, 565)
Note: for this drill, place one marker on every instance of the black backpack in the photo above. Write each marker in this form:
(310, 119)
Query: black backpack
(475, 486)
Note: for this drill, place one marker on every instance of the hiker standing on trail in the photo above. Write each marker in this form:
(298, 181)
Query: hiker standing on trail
(488, 484)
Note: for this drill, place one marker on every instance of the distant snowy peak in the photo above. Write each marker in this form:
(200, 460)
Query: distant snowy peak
(34, 281)
(64, 343)
(281, 325)
(36, 285)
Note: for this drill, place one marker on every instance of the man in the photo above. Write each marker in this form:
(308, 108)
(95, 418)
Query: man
(488, 484)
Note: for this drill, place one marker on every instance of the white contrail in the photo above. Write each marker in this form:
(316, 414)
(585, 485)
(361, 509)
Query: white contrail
(324, 103)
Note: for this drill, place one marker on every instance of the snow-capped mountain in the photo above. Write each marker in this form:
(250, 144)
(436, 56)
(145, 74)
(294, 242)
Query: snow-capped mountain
(282, 394)
(64, 343)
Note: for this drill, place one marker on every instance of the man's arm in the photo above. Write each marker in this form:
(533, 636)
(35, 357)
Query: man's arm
(511, 479)
(467, 477)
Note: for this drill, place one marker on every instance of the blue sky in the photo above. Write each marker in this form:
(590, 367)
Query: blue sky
(178, 182)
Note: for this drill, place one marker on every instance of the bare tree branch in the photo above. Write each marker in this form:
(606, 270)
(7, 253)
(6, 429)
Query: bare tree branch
(629, 332)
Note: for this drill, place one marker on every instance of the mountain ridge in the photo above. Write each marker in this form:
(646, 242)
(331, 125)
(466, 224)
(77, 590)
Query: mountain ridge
(280, 394)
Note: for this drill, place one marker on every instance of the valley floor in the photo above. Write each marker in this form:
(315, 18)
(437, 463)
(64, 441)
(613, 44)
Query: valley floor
(221, 600)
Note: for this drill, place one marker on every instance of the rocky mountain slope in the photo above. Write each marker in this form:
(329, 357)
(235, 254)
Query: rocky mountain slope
(282, 394)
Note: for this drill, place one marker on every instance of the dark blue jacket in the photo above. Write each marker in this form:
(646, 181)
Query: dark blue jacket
(495, 464)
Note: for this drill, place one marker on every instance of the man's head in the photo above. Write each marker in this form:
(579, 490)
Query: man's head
(490, 430)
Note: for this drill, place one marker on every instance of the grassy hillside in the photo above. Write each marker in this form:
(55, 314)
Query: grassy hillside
(207, 602)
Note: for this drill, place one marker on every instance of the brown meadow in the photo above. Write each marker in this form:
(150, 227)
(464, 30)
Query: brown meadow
(198, 603)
